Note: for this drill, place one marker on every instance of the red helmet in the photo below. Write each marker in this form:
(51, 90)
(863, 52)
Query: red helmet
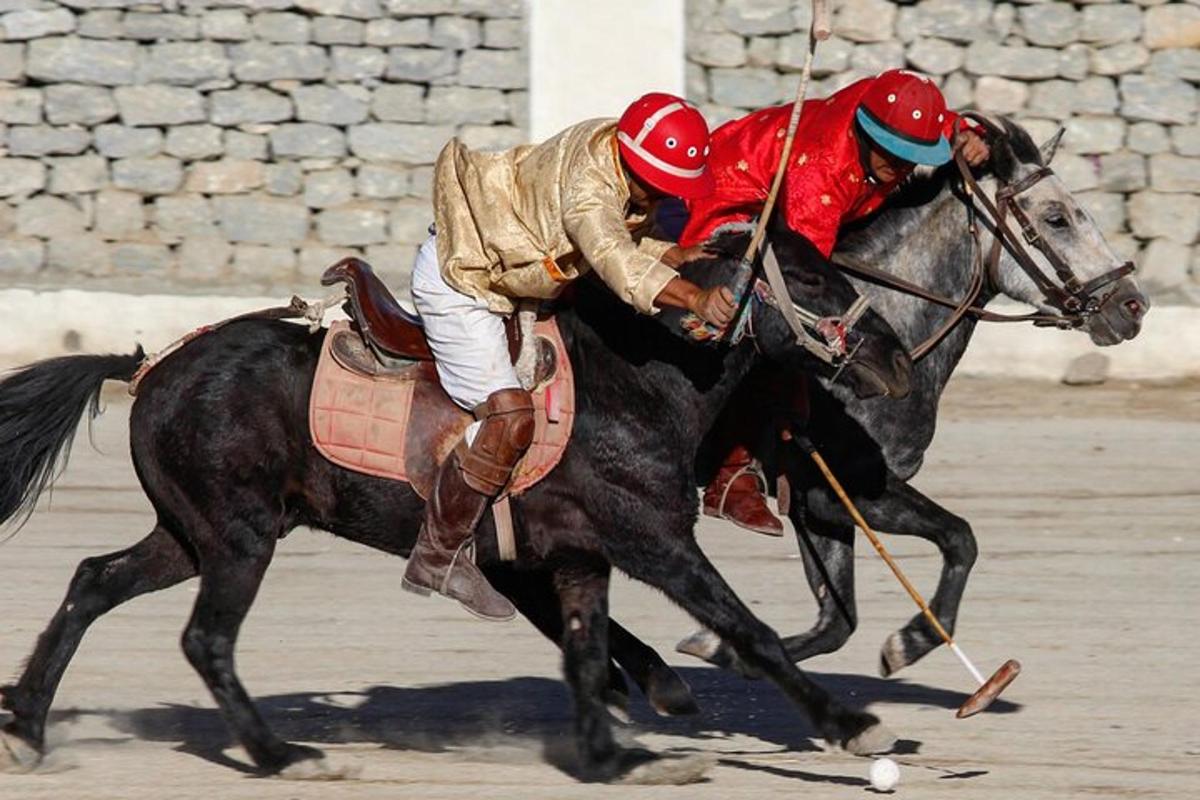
(665, 143)
(904, 113)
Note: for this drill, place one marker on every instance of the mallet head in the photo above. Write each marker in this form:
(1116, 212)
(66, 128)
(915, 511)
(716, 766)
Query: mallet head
(990, 689)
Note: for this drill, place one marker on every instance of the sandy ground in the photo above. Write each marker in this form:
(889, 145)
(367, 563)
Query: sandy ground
(1085, 504)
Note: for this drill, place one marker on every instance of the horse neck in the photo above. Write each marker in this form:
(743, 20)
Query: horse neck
(932, 248)
(649, 383)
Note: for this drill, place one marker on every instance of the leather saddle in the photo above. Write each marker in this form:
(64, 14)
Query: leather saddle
(391, 337)
(390, 331)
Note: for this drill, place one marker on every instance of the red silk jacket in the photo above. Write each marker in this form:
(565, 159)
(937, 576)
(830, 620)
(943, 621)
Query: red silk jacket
(824, 187)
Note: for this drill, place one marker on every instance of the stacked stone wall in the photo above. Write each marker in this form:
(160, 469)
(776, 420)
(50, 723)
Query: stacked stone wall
(238, 146)
(1121, 77)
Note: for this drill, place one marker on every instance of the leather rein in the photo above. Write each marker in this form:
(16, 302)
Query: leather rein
(1075, 301)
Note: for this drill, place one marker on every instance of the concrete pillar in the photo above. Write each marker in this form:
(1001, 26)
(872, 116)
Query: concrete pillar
(591, 58)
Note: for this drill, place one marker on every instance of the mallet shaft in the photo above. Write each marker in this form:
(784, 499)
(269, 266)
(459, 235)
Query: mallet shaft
(883, 553)
(990, 688)
(821, 29)
(954, 648)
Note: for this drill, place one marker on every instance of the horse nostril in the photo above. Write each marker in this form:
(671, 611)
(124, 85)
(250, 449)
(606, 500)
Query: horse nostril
(1133, 309)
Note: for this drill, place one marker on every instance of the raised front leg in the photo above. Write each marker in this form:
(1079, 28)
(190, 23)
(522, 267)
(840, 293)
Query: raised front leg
(100, 584)
(903, 511)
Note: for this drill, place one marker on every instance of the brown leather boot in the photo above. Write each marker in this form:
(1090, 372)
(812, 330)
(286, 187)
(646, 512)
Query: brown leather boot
(467, 481)
(736, 494)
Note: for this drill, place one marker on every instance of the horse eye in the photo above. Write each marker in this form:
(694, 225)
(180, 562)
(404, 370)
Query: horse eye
(1057, 221)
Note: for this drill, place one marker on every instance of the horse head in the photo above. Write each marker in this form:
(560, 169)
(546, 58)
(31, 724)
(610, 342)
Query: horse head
(1058, 229)
(874, 362)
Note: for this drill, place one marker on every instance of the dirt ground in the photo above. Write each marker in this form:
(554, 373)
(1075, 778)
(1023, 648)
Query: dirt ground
(1085, 503)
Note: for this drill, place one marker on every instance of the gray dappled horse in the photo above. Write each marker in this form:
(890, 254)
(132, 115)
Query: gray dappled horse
(876, 446)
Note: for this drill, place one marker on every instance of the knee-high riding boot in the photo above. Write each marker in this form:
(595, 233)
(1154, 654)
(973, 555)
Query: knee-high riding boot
(466, 483)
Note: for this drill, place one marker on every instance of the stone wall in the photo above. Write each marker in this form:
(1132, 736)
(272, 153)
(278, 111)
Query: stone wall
(1120, 76)
(238, 146)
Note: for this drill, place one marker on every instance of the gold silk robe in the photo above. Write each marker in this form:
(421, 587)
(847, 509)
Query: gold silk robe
(527, 221)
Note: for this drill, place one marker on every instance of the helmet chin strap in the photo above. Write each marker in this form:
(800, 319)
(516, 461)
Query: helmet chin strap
(864, 153)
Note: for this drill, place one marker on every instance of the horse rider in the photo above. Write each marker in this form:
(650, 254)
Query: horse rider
(523, 224)
(851, 151)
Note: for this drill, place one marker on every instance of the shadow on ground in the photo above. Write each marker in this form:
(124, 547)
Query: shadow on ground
(526, 718)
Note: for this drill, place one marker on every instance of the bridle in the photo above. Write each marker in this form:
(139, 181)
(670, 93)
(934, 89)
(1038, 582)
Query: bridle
(1074, 300)
(830, 339)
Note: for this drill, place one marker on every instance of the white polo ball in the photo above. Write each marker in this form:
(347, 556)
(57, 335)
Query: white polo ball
(884, 774)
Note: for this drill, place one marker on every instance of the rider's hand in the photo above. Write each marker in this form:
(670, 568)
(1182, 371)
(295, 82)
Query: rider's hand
(974, 148)
(677, 256)
(713, 305)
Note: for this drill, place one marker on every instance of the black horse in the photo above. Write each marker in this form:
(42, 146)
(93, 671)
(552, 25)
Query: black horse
(221, 446)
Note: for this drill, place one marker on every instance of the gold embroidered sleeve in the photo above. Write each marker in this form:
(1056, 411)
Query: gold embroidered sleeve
(654, 247)
(594, 219)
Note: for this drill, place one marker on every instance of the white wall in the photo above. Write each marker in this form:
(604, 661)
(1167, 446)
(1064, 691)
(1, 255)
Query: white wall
(591, 58)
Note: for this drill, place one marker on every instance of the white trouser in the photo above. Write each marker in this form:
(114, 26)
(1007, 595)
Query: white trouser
(470, 347)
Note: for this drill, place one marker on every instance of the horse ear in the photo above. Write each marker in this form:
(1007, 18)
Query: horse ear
(1050, 146)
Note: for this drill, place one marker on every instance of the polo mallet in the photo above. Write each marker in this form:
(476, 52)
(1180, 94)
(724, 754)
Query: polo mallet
(988, 689)
(820, 30)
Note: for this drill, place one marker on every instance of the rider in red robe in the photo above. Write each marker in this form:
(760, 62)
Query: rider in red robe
(851, 151)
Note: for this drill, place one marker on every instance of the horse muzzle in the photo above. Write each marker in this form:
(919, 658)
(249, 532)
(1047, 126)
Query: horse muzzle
(878, 374)
(1119, 317)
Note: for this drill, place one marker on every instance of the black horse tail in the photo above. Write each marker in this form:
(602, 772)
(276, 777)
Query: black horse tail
(40, 408)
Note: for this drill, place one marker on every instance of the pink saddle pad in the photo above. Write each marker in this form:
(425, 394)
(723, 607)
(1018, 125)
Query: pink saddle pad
(374, 425)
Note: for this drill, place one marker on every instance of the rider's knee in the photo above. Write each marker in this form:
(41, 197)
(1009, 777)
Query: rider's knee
(505, 434)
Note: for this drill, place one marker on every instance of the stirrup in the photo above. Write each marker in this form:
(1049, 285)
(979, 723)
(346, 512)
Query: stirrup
(753, 468)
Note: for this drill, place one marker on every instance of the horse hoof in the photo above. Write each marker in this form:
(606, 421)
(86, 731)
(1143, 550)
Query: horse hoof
(893, 656)
(16, 755)
(875, 739)
(669, 695)
(670, 770)
(703, 644)
(318, 769)
(706, 645)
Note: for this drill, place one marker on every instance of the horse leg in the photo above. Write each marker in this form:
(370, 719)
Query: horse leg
(534, 595)
(669, 694)
(908, 512)
(100, 584)
(827, 550)
(677, 567)
(903, 511)
(229, 581)
(583, 594)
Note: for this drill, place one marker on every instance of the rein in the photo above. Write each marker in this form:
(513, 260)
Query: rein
(829, 344)
(1075, 301)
